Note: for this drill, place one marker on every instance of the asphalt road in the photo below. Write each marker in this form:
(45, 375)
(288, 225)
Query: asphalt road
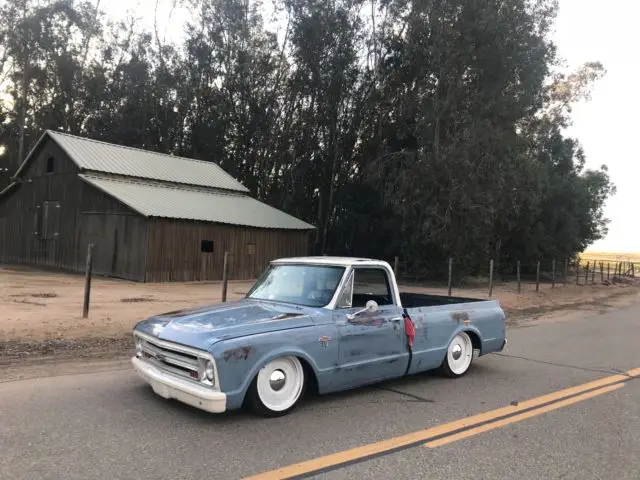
(110, 425)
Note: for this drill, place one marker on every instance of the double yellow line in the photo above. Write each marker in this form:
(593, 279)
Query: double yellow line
(453, 431)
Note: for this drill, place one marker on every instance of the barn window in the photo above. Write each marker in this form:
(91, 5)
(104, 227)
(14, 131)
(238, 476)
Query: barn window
(206, 246)
(50, 164)
(251, 248)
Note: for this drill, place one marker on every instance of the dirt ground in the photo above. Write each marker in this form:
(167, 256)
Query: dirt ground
(41, 312)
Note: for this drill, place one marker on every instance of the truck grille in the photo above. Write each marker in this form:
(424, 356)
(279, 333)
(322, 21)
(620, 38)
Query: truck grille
(174, 360)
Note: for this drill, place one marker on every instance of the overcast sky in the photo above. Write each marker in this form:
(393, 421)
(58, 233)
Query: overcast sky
(586, 30)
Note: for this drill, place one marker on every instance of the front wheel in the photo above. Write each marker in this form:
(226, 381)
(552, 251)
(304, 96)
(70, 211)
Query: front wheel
(277, 387)
(459, 355)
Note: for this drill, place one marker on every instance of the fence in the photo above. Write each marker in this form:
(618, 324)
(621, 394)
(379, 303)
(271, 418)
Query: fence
(526, 276)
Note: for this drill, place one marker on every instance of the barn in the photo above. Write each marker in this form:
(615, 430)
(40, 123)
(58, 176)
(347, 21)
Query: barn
(151, 217)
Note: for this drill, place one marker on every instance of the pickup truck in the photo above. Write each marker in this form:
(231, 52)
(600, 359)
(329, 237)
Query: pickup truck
(321, 323)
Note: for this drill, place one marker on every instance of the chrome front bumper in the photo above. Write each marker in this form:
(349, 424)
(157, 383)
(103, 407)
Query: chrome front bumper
(171, 387)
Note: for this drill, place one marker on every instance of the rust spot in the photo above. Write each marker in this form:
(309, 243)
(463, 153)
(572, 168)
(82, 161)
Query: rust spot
(240, 353)
(460, 317)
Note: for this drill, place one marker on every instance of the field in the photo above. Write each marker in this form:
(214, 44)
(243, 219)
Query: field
(42, 312)
(610, 257)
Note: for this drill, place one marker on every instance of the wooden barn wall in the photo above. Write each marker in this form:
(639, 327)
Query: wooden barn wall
(175, 250)
(64, 243)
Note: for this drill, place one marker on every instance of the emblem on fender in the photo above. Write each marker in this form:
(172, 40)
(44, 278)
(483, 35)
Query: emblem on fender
(324, 341)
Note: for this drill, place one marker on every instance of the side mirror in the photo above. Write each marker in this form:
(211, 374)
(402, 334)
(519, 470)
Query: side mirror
(371, 307)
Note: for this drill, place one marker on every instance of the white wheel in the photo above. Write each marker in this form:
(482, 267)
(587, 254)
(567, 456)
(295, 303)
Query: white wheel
(459, 355)
(278, 386)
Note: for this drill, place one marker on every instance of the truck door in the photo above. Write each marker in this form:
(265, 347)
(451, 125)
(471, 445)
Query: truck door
(372, 344)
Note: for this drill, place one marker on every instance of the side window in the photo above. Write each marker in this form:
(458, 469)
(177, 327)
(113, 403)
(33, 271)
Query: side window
(371, 284)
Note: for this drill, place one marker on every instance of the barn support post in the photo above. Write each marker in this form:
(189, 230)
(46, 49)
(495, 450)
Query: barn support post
(87, 281)
(225, 276)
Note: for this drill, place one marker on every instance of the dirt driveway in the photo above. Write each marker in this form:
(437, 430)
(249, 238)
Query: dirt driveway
(41, 312)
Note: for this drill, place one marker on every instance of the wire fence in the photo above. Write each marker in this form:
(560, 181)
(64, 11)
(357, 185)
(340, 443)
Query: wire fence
(525, 276)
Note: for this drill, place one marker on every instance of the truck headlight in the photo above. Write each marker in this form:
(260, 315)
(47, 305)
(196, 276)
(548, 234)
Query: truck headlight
(138, 346)
(209, 371)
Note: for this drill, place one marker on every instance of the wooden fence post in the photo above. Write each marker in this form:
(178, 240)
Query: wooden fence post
(538, 276)
(490, 277)
(225, 276)
(601, 272)
(566, 269)
(518, 273)
(608, 271)
(87, 281)
(586, 273)
(553, 273)
(450, 274)
(396, 262)
(593, 274)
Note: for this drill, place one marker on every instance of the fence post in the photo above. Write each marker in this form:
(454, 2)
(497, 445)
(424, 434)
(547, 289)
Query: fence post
(593, 274)
(553, 273)
(566, 269)
(538, 276)
(225, 276)
(608, 271)
(518, 273)
(578, 273)
(450, 273)
(396, 261)
(601, 272)
(490, 277)
(87, 281)
(586, 274)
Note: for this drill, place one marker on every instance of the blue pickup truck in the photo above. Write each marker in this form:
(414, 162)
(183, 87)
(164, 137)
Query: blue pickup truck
(322, 323)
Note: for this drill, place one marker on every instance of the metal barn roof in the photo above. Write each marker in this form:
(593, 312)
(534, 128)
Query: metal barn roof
(153, 199)
(104, 157)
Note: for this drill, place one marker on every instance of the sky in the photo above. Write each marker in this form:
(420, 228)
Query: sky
(606, 125)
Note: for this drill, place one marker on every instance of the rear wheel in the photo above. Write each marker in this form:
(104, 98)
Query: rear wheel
(277, 387)
(459, 356)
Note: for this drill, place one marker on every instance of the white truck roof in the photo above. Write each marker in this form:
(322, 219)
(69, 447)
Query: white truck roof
(326, 260)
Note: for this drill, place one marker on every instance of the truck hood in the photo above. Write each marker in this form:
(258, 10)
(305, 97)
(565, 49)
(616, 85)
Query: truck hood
(201, 327)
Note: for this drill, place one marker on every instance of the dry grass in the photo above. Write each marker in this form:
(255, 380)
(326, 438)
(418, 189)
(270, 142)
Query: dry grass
(629, 263)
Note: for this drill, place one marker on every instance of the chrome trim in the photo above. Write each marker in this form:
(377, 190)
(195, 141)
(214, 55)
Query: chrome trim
(150, 344)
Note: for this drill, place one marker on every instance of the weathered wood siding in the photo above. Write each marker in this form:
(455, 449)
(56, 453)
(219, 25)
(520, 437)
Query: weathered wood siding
(175, 250)
(61, 241)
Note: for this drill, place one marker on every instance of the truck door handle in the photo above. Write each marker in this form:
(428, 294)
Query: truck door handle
(397, 319)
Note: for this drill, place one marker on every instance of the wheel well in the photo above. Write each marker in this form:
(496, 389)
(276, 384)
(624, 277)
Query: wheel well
(475, 340)
(310, 374)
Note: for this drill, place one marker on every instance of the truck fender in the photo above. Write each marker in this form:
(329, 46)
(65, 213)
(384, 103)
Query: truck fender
(272, 355)
(470, 329)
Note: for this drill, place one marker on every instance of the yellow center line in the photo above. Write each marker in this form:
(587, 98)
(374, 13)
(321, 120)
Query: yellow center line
(577, 393)
(522, 416)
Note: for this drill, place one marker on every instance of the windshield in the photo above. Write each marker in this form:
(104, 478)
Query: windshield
(308, 285)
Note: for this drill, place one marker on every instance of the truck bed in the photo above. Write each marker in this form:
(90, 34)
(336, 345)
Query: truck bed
(416, 300)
